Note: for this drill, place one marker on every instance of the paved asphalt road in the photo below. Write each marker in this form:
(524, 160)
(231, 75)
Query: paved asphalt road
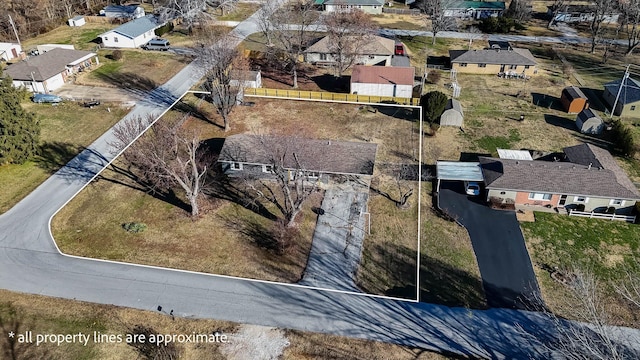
(30, 263)
(505, 266)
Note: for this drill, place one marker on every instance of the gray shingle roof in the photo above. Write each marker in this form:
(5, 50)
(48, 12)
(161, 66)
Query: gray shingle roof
(630, 91)
(125, 9)
(45, 66)
(137, 27)
(516, 56)
(558, 177)
(326, 156)
(354, 2)
(377, 45)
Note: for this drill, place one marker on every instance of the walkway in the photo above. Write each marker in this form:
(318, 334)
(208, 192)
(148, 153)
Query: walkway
(338, 238)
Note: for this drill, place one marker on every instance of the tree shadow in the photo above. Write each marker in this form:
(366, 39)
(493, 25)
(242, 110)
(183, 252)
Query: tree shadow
(398, 112)
(12, 320)
(141, 86)
(195, 110)
(53, 155)
(328, 82)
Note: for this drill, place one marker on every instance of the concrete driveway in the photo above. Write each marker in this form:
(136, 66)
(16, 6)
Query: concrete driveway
(104, 94)
(505, 265)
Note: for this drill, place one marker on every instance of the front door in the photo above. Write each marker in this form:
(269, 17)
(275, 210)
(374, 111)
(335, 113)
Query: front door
(502, 68)
(563, 200)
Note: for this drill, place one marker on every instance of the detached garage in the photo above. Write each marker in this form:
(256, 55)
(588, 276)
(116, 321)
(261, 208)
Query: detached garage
(382, 81)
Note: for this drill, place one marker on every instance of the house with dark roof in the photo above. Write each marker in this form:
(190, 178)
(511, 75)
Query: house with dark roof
(366, 6)
(49, 71)
(513, 62)
(320, 160)
(377, 51)
(133, 34)
(123, 12)
(628, 104)
(473, 9)
(588, 177)
(382, 81)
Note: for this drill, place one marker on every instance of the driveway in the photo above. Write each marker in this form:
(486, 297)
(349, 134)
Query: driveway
(505, 266)
(337, 240)
(104, 94)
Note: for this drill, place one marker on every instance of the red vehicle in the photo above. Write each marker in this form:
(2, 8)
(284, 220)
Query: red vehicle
(399, 49)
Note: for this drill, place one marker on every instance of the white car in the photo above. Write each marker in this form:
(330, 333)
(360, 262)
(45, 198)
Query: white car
(472, 188)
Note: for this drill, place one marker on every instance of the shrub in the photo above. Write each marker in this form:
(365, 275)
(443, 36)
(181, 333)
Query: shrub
(134, 227)
(500, 24)
(580, 207)
(116, 55)
(433, 77)
(623, 141)
(164, 29)
(433, 104)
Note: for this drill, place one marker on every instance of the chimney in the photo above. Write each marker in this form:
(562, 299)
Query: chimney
(590, 166)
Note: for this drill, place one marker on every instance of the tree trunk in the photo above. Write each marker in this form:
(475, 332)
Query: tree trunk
(291, 218)
(295, 77)
(593, 45)
(195, 209)
(433, 39)
(227, 125)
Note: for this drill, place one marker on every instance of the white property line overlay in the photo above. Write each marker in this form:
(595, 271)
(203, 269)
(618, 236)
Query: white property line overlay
(228, 276)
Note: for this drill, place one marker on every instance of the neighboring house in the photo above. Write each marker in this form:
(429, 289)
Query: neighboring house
(382, 81)
(628, 104)
(49, 71)
(377, 51)
(76, 21)
(514, 62)
(248, 79)
(573, 100)
(473, 9)
(366, 6)
(589, 123)
(251, 155)
(131, 35)
(48, 47)
(581, 13)
(590, 177)
(123, 12)
(10, 51)
(452, 115)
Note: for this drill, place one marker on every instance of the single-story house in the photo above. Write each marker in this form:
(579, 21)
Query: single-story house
(628, 104)
(378, 51)
(49, 71)
(573, 100)
(589, 123)
(473, 9)
(514, 62)
(581, 13)
(590, 176)
(452, 115)
(499, 45)
(43, 48)
(366, 6)
(10, 51)
(382, 81)
(133, 34)
(123, 12)
(77, 21)
(248, 79)
(253, 156)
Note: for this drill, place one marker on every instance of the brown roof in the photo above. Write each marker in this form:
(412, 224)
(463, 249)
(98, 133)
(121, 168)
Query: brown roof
(382, 75)
(515, 56)
(573, 92)
(377, 45)
(553, 177)
(327, 156)
(45, 66)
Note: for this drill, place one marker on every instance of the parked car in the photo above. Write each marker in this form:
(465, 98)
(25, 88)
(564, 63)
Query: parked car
(157, 44)
(472, 188)
(46, 98)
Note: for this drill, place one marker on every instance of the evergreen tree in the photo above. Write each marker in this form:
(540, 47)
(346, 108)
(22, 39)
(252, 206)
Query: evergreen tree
(433, 104)
(19, 130)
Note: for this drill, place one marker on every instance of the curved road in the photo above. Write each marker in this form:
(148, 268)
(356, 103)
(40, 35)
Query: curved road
(31, 263)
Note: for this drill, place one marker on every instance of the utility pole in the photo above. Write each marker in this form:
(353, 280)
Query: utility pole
(13, 25)
(622, 83)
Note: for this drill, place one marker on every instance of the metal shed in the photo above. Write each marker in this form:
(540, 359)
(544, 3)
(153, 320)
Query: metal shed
(589, 123)
(452, 115)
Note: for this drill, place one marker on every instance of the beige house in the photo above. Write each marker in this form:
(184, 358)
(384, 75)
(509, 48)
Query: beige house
(366, 6)
(628, 103)
(511, 62)
(377, 51)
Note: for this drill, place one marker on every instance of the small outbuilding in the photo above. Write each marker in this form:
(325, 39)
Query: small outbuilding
(573, 100)
(589, 123)
(77, 21)
(452, 115)
(248, 79)
(382, 81)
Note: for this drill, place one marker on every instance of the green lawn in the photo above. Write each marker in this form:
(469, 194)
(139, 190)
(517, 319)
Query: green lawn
(80, 37)
(492, 143)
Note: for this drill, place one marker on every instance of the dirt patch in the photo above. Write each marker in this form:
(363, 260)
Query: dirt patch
(255, 342)
(525, 216)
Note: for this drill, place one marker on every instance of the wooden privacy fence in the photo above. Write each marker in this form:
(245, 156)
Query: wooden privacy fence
(329, 96)
(594, 215)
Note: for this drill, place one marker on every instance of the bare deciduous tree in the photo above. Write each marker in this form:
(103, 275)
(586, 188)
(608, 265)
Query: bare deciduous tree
(520, 10)
(165, 157)
(601, 9)
(349, 34)
(226, 76)
(225, 6)
(264, 18)
(630, 21)
(293, 40)
(557, 7)
(190, 11)
(436, 19)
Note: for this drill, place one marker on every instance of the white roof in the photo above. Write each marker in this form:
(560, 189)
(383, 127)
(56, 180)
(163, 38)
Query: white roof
(461, 171)
(514, 154)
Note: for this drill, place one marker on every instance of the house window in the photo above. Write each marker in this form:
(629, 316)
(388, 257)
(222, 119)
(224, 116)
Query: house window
(236, 166)
(323, 57)
(513, 67)
(115, 39)
(616, 202)
(267, 168)
(633, 108)
(482, 65)
(313, 174)
(581, 199)
(106, 38)
(503, 192)
(539, 196)
(463, 64)
(526, 67)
